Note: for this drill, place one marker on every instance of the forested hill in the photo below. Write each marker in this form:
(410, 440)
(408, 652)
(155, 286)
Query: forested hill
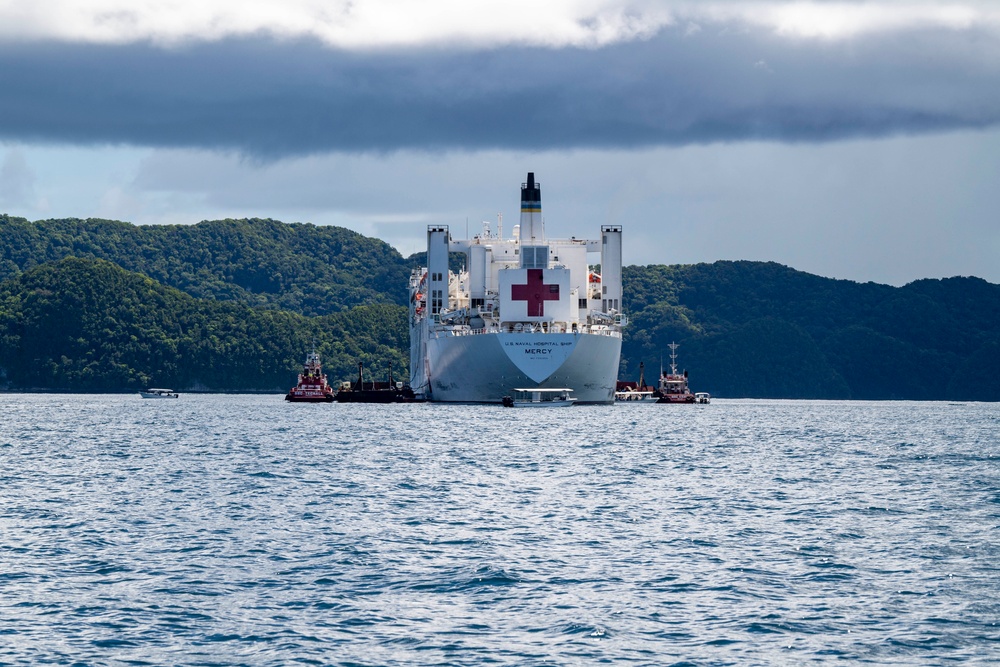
(313, 270)
(754, 329)
(252, 294)
(89, 325)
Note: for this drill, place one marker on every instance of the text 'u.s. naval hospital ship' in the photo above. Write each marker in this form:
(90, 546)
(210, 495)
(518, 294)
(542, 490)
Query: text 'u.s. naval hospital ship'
(526, 311)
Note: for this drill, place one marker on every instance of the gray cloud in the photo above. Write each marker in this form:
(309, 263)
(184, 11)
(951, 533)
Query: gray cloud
(280, 98)
(891, 210)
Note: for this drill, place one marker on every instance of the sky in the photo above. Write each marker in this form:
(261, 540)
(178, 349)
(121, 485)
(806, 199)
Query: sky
(856, 139)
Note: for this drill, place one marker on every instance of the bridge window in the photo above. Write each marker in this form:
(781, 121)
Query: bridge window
(535, 257)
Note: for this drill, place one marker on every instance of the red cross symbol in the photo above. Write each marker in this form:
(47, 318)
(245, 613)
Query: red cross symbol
(535, 292)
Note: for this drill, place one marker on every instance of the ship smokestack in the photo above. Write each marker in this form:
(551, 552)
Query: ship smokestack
(531, 211)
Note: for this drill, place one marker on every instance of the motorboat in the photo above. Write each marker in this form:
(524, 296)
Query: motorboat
(159, 393)
(539, 397)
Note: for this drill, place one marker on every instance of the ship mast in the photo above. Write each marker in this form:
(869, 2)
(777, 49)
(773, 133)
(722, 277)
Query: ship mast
(673, 358)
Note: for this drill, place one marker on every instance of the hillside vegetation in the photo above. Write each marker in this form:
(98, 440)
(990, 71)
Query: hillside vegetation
(89, 325)
(98, 305)
(298, 267)
(754, 329)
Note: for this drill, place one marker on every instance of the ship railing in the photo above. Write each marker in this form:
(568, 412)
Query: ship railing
(464, 332)
(591, 329)
(599, 330)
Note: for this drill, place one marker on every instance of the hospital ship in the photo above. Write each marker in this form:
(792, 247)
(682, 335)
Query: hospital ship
(523, 311)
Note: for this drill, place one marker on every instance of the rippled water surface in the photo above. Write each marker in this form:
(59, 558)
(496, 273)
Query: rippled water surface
(225, 530)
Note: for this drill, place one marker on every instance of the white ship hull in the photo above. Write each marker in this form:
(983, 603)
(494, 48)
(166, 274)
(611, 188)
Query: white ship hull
(483, 368)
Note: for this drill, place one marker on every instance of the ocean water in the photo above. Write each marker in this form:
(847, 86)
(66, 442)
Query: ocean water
(241, 530)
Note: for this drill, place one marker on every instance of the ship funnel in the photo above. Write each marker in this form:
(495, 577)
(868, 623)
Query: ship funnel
(531, 211)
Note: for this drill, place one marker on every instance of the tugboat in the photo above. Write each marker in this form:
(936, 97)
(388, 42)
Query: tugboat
(312, 386)
(375, 392)
(673, 385)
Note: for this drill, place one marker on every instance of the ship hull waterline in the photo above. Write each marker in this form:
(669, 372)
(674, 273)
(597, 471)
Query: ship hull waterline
(483, 368)
(298, 395)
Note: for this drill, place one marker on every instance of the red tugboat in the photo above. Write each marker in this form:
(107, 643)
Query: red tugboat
(312, 386)
(673, 385)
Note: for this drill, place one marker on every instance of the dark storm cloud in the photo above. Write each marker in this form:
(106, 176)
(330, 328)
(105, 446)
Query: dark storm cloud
(272, 98)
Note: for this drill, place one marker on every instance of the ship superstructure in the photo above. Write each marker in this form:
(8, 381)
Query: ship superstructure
(524, 311)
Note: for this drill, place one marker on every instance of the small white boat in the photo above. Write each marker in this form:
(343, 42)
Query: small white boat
(540, 398)
(630, 396)
(159, 393)
(702, 397)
